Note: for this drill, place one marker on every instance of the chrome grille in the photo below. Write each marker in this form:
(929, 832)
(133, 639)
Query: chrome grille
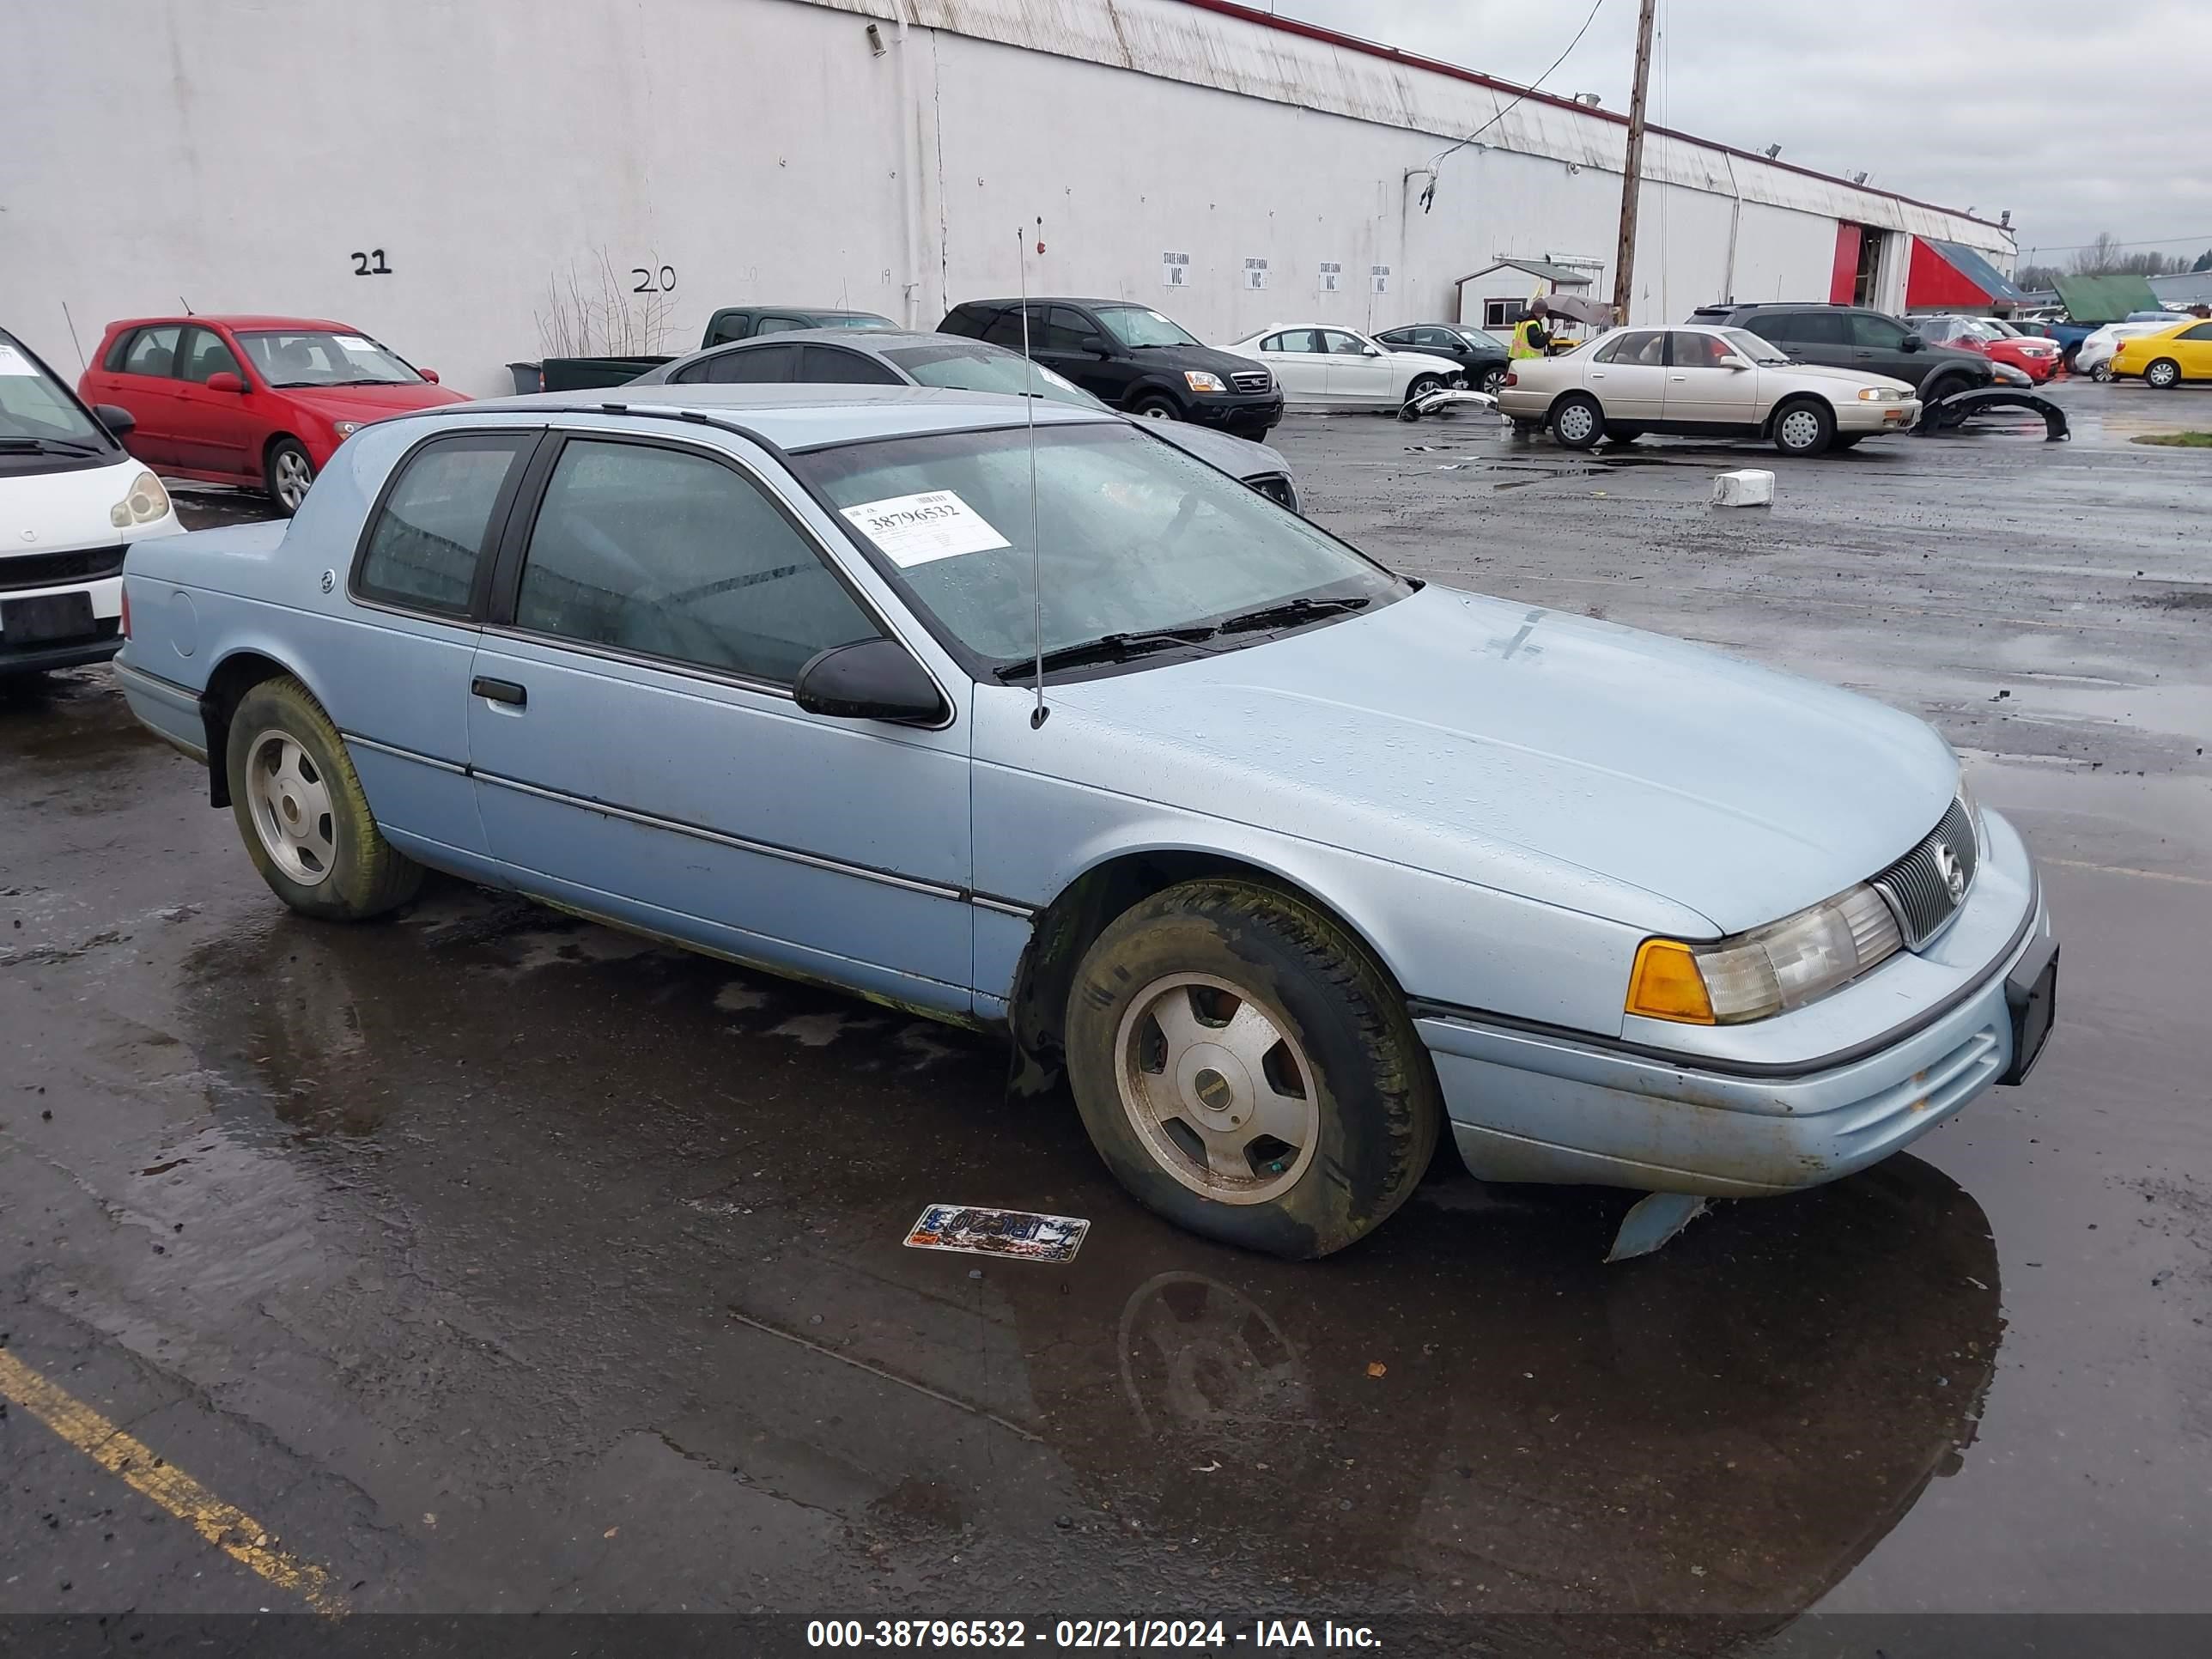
(22, 570)
(1917, 887)
(1251, 379)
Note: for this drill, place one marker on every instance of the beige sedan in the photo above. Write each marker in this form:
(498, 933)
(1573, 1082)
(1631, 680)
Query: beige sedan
(1701, 382)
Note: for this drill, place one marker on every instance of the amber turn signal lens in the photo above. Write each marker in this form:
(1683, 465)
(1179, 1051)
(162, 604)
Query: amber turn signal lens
(1665, 984)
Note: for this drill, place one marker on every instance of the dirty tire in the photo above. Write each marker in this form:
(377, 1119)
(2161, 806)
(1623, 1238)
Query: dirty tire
(1578, 422)
(1378, 1109)
(1804, 427)
(368, 875)
(2163, 375)
(1156, 408)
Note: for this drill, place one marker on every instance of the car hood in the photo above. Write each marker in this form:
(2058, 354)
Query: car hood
(1851, 377)
(1239, 456)
(371, 403)
(1566, 760)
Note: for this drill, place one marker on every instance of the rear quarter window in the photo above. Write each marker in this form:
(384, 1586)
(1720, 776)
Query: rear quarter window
(426, 541)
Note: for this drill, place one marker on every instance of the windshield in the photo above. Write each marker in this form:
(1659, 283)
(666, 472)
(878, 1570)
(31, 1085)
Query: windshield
(1759, 350)
(973, 367)
(1133, 536)
(37, 408)
(314, 356)
(1141, 325)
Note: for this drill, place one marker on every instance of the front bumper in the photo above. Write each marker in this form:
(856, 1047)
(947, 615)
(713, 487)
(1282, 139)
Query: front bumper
(1855, 417)
(105, 594)
(1535, 1105)
(1239, 414)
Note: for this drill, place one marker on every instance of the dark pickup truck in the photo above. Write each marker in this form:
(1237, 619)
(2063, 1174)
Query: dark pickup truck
(729, 324)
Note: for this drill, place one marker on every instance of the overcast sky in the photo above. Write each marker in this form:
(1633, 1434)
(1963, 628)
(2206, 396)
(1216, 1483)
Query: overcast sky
(2079, 117)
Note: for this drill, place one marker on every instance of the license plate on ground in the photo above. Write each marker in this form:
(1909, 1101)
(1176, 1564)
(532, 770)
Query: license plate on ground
(50, 616)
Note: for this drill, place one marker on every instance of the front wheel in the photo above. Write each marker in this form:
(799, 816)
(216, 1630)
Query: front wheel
(2102, 373)
(1422, 386)
(287, 473)
(1578, 423)
(1804, 428)
(1156, 407)
(1246, 1069)
(301, 812)
(2163, 375)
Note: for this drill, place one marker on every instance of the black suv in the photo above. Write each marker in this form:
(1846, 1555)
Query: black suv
(1853, 337)
(1131, 357)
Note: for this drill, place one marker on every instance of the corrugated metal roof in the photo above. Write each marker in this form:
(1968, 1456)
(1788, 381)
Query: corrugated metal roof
(2105, 299)
(2183, 288)
(2000, 288)
(1551, 273)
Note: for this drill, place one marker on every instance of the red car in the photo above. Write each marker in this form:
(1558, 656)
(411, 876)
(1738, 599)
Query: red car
(1999, 342)
(258, 401)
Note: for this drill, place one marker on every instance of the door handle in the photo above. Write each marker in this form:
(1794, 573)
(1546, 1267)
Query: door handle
(1678, 378)
(1597, 374)
(494, 690)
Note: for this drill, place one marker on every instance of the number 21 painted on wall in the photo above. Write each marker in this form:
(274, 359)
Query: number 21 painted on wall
(370, 264)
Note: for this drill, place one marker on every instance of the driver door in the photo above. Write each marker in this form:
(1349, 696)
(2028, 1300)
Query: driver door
(636, 752)
(1354, 377)
(1295, 357)
(1702, 390)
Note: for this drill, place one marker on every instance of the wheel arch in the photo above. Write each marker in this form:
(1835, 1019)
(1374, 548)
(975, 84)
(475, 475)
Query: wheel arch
(1068, 926)
(237, 671)
(1568, 395)
(1790, 400)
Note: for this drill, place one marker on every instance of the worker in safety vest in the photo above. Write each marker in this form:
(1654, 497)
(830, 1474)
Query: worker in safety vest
(1529, 338)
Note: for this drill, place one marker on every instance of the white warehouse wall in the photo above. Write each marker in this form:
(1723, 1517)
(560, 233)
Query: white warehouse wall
(244, 156)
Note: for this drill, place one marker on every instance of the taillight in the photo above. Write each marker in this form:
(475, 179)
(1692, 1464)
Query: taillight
(1511, 379)
(126, 610)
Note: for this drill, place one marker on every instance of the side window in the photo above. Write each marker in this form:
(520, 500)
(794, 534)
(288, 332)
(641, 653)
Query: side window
(1066, 329)
(1398, 336)
(153, 351)
(969, 320)
(204, 353)
(754, 366)
(668, 553)
(1689, 349)
(824, 365)
(774, 325)
(729, 326)
(1004, 328)
(2202, 332)
(1442, 339)
(1337, 344)
(424, 549)
(1635, 347)
(1869, 330)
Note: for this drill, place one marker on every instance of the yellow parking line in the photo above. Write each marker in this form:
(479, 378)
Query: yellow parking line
(233, 1531)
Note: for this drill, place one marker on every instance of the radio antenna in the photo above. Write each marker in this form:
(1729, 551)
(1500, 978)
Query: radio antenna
(1039, 715)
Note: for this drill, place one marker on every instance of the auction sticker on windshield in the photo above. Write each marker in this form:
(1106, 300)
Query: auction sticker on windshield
(355, 342)
(13, 361)
(915, 530)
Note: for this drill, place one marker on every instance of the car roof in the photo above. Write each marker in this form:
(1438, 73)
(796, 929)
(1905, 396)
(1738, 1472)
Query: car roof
(795, 310)
(800, 417)
(244, 319)
(870, 340)
(1056, 300)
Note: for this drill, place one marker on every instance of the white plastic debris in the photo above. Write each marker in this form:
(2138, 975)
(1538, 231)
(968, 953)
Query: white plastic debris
(1749, 488)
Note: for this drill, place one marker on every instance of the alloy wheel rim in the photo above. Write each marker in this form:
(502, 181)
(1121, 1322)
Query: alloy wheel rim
(2160, 376)
(1159, 412)
(1799, 429)
(1577, 423)
(1221, 1095)
(290, 804)
(292, 477)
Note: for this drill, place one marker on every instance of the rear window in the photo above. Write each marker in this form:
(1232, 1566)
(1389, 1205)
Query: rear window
(424, 549)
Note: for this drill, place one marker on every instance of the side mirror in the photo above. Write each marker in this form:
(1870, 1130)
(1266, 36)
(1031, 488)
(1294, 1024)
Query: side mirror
(873, 680)
(1737, 363)
(223, 380)
(1095, 345)
(1372, 351)
(430, 375)
(119, 422)
(1914, 343)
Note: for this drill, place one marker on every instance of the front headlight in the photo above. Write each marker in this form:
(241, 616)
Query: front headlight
(1781, 966)
(1199, 380)
(1877, 394)
(146, 502)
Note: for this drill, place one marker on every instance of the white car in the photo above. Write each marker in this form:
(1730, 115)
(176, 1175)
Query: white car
(1319, 364)
(71, 502)
(2094, 356)
(1701, 382)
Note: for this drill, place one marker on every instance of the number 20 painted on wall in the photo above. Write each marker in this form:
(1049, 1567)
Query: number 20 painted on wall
(648, 281)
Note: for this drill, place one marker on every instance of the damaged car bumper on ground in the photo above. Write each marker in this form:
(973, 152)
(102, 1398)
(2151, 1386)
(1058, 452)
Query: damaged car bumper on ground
(1775, 1105)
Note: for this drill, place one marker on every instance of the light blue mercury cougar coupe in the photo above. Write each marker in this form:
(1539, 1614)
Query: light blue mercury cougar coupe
(1296, 864)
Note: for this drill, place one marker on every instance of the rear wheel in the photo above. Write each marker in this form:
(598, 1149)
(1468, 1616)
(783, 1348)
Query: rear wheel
(1577, 422)
(286, 473)
(1156, 407)
(1488, 380)
(1246, 1070)
(2102, 373)
(300, 809)
(2163, 374)
(1804, 427)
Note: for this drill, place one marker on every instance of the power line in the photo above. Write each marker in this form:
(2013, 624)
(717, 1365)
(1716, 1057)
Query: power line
(1428, 195)
(2164, 241)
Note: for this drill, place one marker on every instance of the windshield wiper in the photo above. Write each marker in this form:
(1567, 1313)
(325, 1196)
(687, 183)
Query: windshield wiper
(1288, 613)
(1109, 647)
(48, 445)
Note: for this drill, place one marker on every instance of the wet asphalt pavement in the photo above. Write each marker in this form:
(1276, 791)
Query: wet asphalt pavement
(492, 1260)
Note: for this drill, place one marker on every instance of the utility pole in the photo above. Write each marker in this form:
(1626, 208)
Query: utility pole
(1631, 180)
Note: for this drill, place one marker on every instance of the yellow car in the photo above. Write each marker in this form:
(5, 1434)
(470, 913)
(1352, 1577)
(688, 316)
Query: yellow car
(2168, 357)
